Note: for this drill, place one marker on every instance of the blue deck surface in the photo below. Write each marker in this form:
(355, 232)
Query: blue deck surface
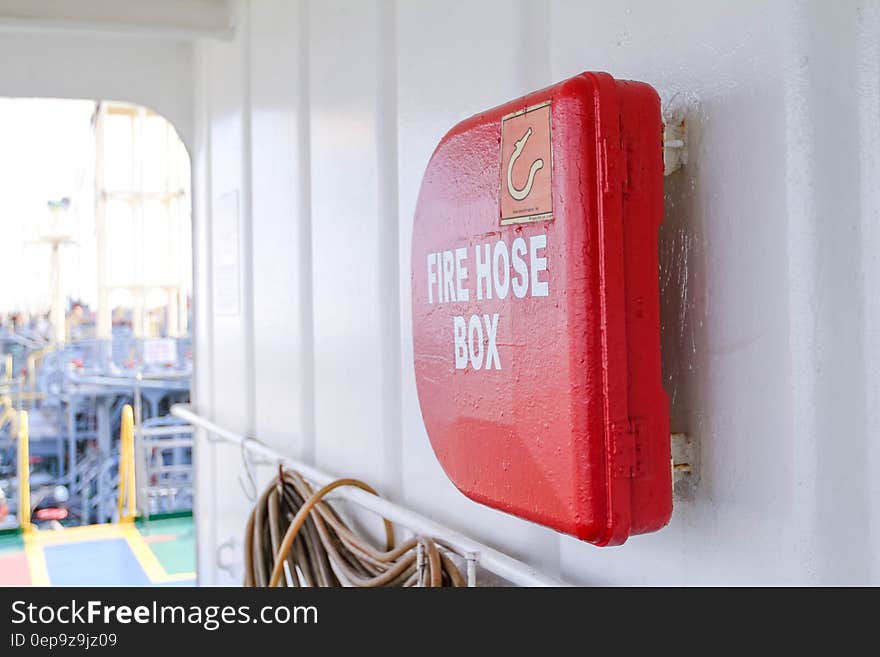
(107, 562)
(158, 552)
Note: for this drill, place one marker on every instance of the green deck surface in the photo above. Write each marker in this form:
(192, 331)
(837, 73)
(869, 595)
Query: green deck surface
(11, 542)
(177, 555)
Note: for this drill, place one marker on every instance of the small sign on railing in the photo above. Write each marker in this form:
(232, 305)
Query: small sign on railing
(160, 351)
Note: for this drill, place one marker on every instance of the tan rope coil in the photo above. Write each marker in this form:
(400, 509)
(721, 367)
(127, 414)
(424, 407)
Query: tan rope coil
(294, 538)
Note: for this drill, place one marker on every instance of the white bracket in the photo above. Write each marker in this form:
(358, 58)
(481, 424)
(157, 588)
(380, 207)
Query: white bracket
(675, 153)
(685, 465)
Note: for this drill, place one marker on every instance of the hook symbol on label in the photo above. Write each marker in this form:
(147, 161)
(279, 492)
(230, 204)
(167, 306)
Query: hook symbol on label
(537, 165)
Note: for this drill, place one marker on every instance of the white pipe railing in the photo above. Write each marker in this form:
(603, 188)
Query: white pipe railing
(157, 381)
(508, 568)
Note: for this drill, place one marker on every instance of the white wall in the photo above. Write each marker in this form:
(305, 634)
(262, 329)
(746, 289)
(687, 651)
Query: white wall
(155, 72)
(309, 132)
(319, 117)
(155, 17)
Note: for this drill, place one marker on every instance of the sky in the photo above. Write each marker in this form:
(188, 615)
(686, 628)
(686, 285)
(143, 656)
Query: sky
(47, 152)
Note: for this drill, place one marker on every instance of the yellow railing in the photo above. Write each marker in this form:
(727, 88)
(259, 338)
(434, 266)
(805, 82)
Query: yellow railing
(125, 505)
(24, 472)
(8, 413)
(34, 361)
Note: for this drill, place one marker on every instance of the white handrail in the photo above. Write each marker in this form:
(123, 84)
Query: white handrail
(156, 381)
(508, 568)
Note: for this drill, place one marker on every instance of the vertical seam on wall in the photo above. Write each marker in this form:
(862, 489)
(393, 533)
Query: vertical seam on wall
(203, 365)
(869, 133)
(389, 248)
(304, 224)
(250, 398)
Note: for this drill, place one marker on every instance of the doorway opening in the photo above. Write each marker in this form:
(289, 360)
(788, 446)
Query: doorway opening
(96, 475)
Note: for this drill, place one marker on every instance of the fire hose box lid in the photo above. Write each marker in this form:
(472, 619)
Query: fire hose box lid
(535, 308)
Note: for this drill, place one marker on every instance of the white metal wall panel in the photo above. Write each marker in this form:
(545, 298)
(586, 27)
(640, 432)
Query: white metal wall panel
(282, 289)
(724, 281)
(231, 322)
(768, 265)
(351, 300)
(447, 73)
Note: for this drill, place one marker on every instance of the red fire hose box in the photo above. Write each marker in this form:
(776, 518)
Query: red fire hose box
(535, 308)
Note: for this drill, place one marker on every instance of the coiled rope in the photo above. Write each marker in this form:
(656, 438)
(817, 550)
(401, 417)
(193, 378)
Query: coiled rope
(294, 538)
